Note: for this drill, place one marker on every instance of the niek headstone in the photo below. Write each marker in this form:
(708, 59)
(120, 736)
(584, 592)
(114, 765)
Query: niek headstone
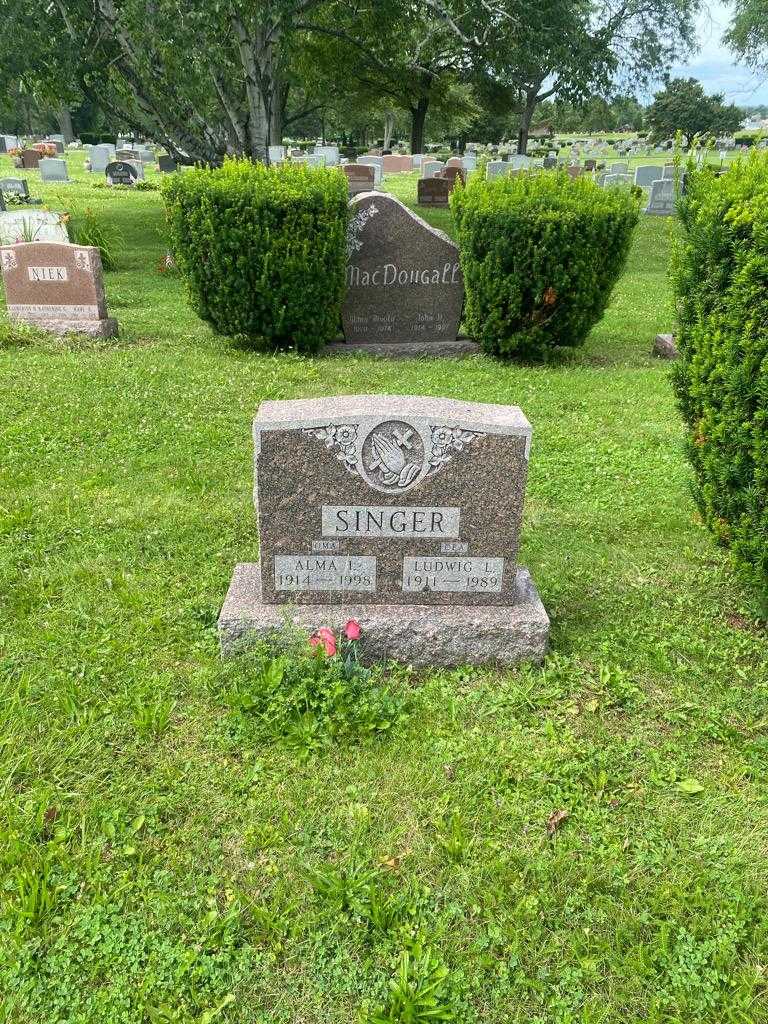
(120, 172)
(662, 200)
(401, 512)
(100, 157)
(376, 163)
(166, 164)
(396, 164)
(30, 159)
(33, 225)
(435, 191)
(53, 170)
(16, 186)
(404, 281)
(429, 168)
(360, 178)
(56, 286)
(647, 174)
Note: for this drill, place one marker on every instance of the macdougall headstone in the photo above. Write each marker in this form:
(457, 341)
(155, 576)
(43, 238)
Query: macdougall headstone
(434, 191)
(404, 281)
(57, 287)
(360, 178)
(662, 199)
(401, 512)
(120, 172)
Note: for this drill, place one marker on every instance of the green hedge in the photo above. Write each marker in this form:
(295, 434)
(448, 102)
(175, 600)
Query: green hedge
(263, 249)
(540, 254)
(720, 275)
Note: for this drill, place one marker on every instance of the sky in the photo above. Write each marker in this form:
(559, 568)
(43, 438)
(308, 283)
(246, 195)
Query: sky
(716, 68)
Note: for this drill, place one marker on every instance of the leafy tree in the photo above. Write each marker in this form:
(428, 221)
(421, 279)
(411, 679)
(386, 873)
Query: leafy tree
(748, 33)
(684, 106)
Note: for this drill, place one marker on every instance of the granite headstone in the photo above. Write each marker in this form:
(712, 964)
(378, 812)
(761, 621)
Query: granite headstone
(56, 286)
(401, 512)
(404, 281)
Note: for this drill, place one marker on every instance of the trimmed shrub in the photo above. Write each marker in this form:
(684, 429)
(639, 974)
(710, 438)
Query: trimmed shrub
(720, 276)
(263, 249)
(540, 254)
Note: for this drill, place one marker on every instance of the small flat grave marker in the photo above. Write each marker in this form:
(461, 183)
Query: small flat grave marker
(662, 199)
(54, 170)
(16, 186)
(56, 286)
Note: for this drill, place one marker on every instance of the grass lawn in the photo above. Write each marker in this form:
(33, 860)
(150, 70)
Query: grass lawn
(167, 861)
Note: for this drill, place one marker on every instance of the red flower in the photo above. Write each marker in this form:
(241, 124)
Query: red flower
(352, 630)
(324, 638)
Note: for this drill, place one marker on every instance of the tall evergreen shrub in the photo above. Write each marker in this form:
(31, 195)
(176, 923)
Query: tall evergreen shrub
(720, 276)
(263, 249)
(540, 255)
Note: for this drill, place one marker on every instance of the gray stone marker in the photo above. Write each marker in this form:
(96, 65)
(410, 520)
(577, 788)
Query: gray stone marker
(616, 179)
(57, 287)
(16, 186)
(376, 162)
(331, 154)
(401, 512)
(662, 200)
(668, 172)
(121, 172)
(276, 154)
(316, 160)
(430, 168)
(360, 178)
(34, 225)
(100, 156)
(166, 164)
(619, 168)
(2, 203)
(404, 281)
(54, 170)
(647, 174)
(496, 169)
(519, 161)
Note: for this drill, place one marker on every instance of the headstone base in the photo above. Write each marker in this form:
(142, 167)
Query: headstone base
(94, 328)
(406, 349)
(419, 635)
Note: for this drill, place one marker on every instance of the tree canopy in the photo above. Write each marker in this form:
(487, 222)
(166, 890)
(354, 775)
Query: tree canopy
(684, 106)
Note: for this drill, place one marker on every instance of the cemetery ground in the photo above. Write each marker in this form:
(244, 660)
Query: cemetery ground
(581, 842)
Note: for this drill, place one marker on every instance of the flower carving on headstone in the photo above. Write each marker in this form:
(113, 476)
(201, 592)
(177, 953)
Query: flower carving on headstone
(82, 260)
(446, 441)
(340, 439)
(9, 260)
(356, 225)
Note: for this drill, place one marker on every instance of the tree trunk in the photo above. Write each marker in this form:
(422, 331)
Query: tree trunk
(529, 106)
(256, 57)
(64, 118)
(418, 123)
(389, 129)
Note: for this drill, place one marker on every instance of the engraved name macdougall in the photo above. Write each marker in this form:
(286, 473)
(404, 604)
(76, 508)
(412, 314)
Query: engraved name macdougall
(390, 274)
